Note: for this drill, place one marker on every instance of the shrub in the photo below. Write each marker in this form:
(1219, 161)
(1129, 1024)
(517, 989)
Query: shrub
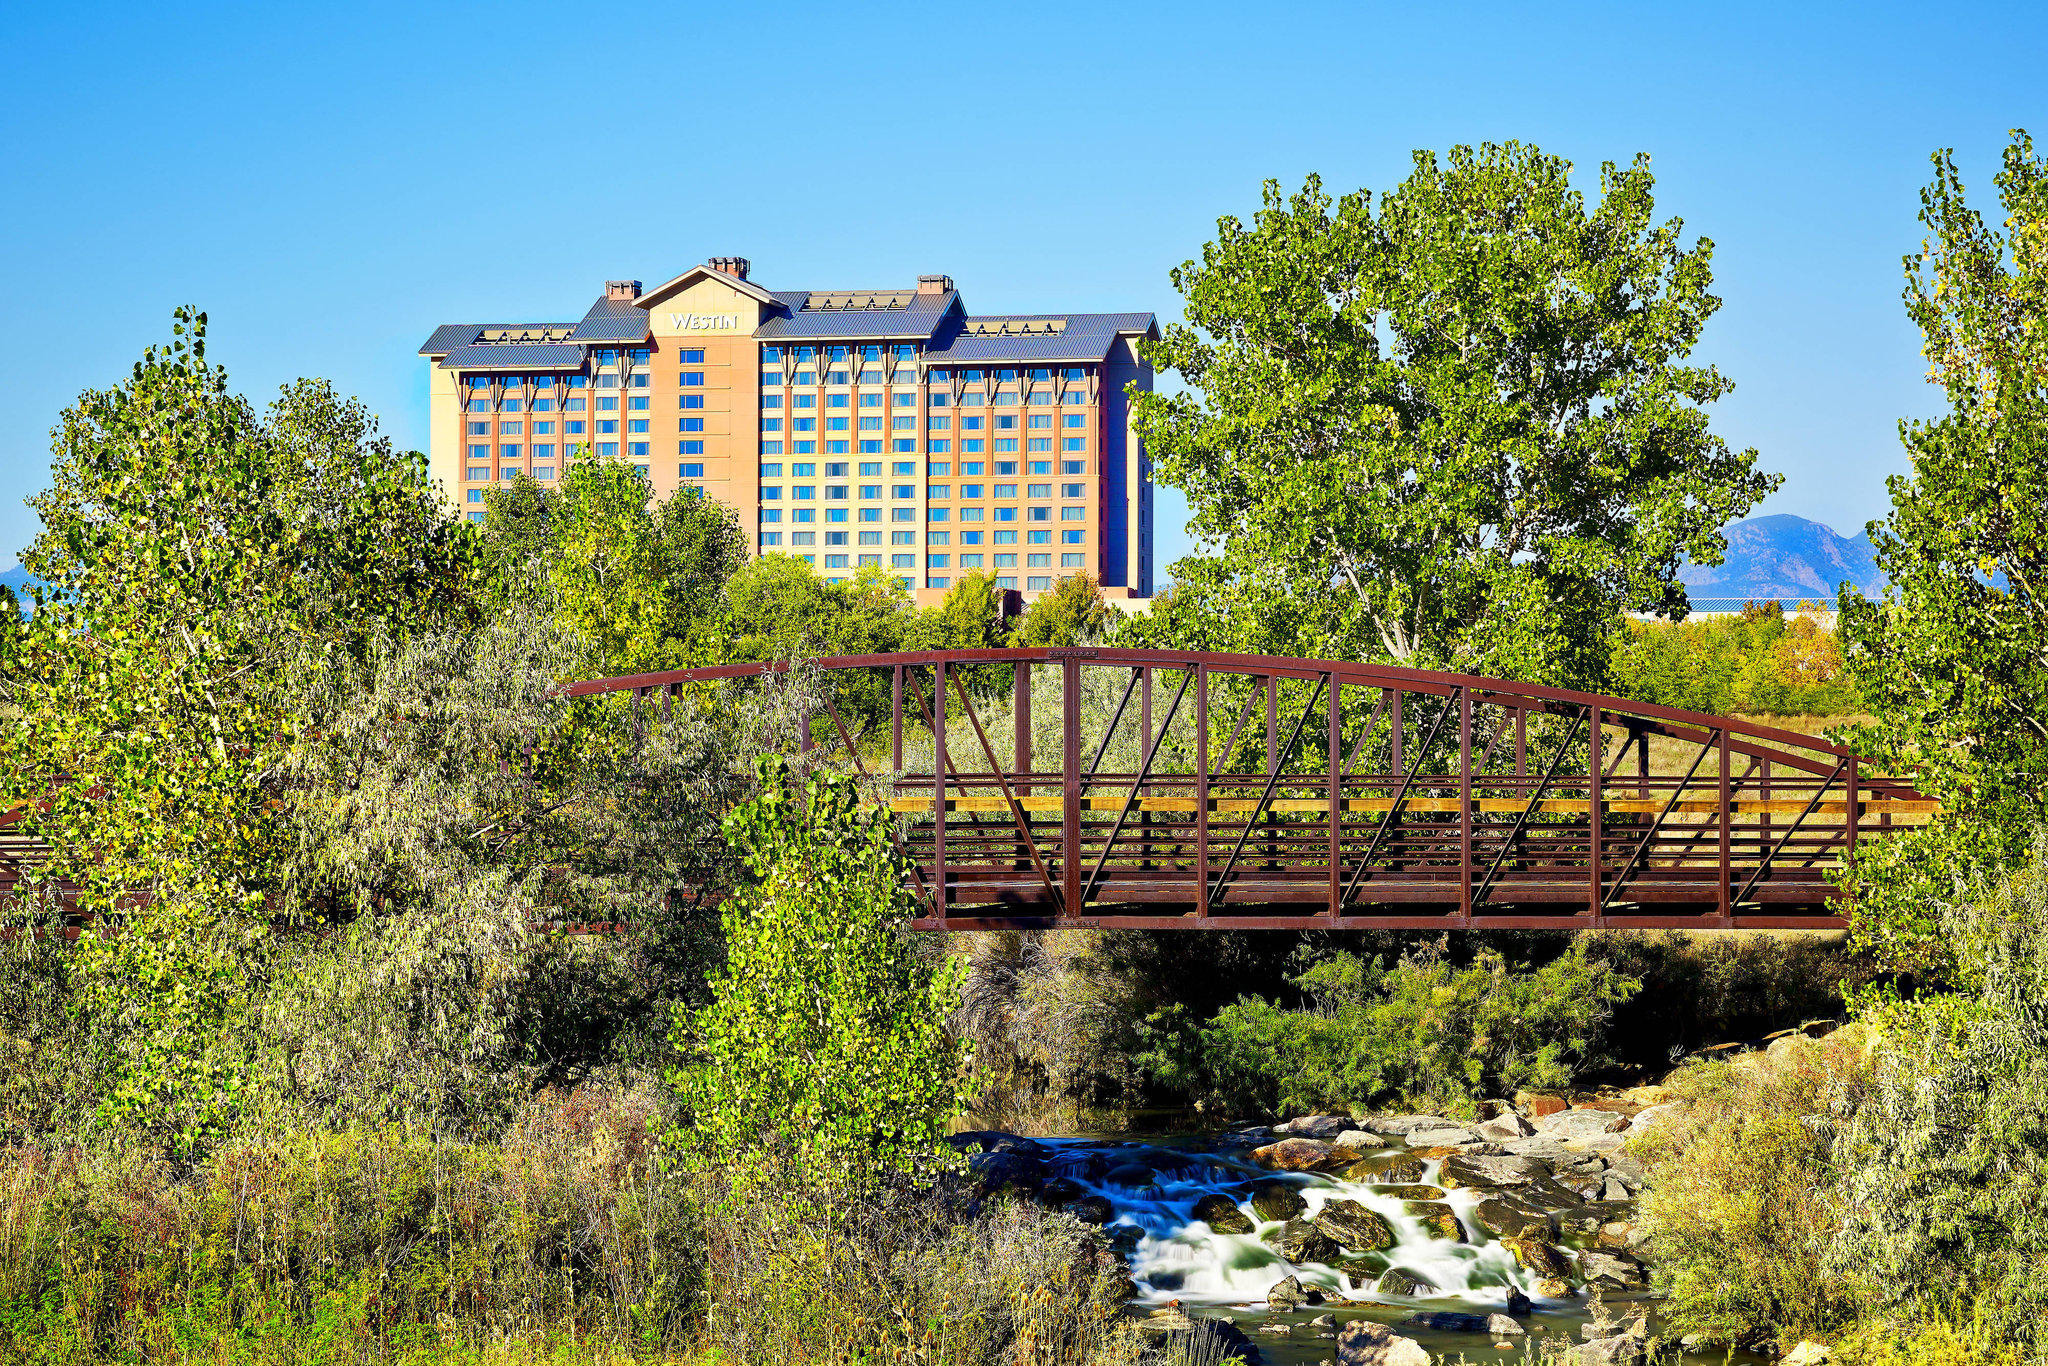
(1425, 1032)
(1735, 1208)
(1943, 1166)
(1710, 988)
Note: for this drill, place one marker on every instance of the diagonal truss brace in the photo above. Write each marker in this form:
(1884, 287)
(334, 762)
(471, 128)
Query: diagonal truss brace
(1137, 787)
(1272, 780)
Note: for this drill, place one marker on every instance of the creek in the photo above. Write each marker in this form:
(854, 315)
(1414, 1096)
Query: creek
(1144, 1191)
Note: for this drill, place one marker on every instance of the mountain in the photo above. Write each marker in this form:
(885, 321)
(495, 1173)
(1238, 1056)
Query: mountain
(1783, 557)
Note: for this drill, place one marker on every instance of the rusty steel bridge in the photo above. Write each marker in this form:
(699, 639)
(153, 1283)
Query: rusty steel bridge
(1265, 792)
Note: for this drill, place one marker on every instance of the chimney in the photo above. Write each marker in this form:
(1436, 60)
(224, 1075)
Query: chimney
(621, 289)
(934, 284)
(732, 265)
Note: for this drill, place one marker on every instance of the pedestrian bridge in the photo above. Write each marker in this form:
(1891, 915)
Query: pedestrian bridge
(1163, 789)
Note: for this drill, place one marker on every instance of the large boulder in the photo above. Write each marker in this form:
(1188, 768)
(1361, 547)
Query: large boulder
(1092, 1209)
(1397, 1280)
(1324, 1127)
(1000, 1171)
(1438, 1220)
(1358, 1140)
(1357, 1228)
(1365, 1343)
(1504, 1127)
(1222, 1214)
(1539, 1257)
(1537, 1104)
(1299, 1241)
(1398, 1169)
(1298, 1155)
(1453, 1136)
(1502, 1326)
(996, 1141)
(1291, 1294)
(1611, 1270)
(1581, 1123)
(1518, 1303)
(1504, 1216)
(1400, 1126)
(1277, 1200)
(1132, 1176)
(1410, 1192)
(1484, 1173)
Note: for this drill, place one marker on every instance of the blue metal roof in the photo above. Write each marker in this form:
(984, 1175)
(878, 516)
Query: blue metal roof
(516, 356)
(448, 336)
(613, 320)
(915, 322)
(1087, 337)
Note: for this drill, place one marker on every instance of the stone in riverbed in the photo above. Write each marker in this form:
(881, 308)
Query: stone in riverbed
(1299, 1241)
(1580, 1123)
(1554, 1288)
(1323, 1127)
(1438, 1220)
(1539, 1257)
(1396, 1280)
(1398, 1169)
(1222, 1215)
(1353, 1225)
(1410, 1192)
(1358, 1140)
(1092, 1209)
(1292, 1294)
(1277, 1200)
(1296, 1155)
(1365, 1343)
(1501, 1326)
(1537, 1104)
(1506, 1217)
(1481, 1173)
(1505, 1126)
(1518, 1303)
(1133, 1176)
(1610, 1270)
(1451, 1136)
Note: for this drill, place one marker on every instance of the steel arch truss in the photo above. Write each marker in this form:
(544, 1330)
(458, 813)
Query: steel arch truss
(1243, 791)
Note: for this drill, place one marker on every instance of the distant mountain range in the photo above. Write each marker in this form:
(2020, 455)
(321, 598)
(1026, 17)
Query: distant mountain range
(1787, 558)
(17, 578)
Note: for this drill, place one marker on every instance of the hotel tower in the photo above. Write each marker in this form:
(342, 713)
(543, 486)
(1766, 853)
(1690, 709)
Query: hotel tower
(884, 427)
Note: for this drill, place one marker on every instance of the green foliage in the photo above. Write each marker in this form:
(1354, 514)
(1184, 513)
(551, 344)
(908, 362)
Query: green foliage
(824, 1049)
(1460, 431)
(1735, 1207)
(362, 1245)
(1944, 1161)
(1954, 659)
(1424, 1033)
(1759, 662)
(1073, 613)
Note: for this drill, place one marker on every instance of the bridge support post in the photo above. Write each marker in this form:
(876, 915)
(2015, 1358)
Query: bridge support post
(939, 895)
(1465, 805)
(1336, 796)
(1070, 770)
(1202, 786)
(1726, 859)
(1020, 710)
(1597, 892)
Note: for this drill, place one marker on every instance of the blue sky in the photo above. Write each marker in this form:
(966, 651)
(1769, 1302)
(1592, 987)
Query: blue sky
(330, 182)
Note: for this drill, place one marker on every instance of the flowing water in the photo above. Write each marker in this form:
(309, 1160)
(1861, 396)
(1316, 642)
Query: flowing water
(1152, 1185)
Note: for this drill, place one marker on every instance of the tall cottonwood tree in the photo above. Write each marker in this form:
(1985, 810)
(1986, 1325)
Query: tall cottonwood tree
(1953, 660)
(1458, 430)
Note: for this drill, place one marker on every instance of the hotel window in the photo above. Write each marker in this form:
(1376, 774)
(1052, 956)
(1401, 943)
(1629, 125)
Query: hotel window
(836, 470)
(975, 514)
(690, 471)
(476, 516)
(1006, 514)
(941, 581)
(971, 445)
(940, 447)
(875, 560)
(639, 382)
(1006, 397)
(970, 490)
(1039, 443)
(971, 424)
(771, 400)
(607, 448)
(638, 403)
(479, 405)
(804, 469)
(1038, 490)
(906, 400)
(938, 400)
(575, 405)
(1074, 467)
(804, 492)
(870, 400)
(637, 448)
(1074, 443)
(1006, 467)
(579, 381)
(835, 493)
(1038, 583)
(902, 514)
(543, 429)
(691, 379)
(910, 538)
(1006, 538)
(870, 538)
(771, 471)
(637, 425)
(508, 452)
(870, 515)
(837, 401)
(804, 447)
(903, 424)
(970, 538)
(768, 424)
(1044, 514)
(510, 405)
(771, 514)
(690, 401)
(479, 429)
(940, 491)
(573, 427)
(970, 561)
(1071, 559)
(836, 377)
(870, 469)
(1038, 560)
(938, 514)
(835, 538)
(1039, 398)
(773, 492)
(835, 562)
(476, 495)
(771, 353)
(1067, 514)
(1039, 421)
(1073, 538)
(1038, 537)
(689, 448)
(903, 561)
(609, 427)
(871, 424)
(806, 377)
(1005, 423)
(838, 424)
(771, 538)
(1006, 561)
(1074, 420)
(1041, 467)
(971, 467)
(835, 448)
(1073, 491)
(687, 357)
(937, 424)
(607, 381)
(940, 561)
(1006, 490)
(1006, 580)
(543, 471)
(696, 424)
(1074, 398)
(903, 491)
(870, 490)
(804, 515)
(607, 405)
(478, 472)
(479, 452)
(870, 448)
(806, 400)
(804, 424)
(1006, 443)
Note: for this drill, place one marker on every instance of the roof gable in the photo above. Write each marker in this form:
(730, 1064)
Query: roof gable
(696, 273)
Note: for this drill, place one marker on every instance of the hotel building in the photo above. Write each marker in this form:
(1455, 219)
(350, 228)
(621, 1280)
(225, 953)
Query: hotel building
(849, 427)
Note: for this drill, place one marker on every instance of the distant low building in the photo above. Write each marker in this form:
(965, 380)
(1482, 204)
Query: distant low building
(848, 427)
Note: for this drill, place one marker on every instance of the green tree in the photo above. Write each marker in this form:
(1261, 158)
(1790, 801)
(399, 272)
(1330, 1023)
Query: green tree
(1954, 658)
(1073, 612)
(1461, 430)
(824, 1051)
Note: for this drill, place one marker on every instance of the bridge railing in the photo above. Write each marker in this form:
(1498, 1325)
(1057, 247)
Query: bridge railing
(1167, 788)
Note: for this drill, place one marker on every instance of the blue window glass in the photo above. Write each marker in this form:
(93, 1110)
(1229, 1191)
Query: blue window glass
(940, 447)
(771, 448)
(688, 357)
(690, 471)
(771, 353)
(696, 424)
(691, 379)
(689, 448)
(607, 448)
(1073, 537)
(1038, 537)
(636, 448)
(691, 401)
